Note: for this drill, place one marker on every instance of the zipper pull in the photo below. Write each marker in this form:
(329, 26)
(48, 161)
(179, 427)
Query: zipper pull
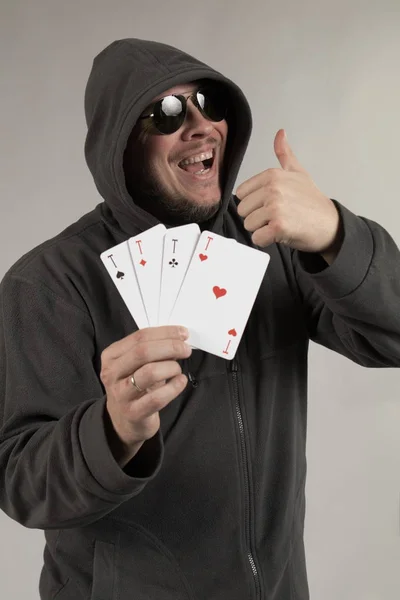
(193, 380)
(190, 375)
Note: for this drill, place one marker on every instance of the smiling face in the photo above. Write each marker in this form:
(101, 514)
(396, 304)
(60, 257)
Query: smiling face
(154, 176)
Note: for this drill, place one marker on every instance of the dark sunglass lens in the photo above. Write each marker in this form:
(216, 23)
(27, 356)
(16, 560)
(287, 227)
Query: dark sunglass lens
(169, 114)
(212, 103)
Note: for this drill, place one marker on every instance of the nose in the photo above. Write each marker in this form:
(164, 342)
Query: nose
(195, 124)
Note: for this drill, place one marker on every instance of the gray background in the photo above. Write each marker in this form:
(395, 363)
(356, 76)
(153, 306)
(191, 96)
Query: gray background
(330, 77)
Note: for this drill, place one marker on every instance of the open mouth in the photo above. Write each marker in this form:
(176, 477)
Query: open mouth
(199, 168)
(209, 162)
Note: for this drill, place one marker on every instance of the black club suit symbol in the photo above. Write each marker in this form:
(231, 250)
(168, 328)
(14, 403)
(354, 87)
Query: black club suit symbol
(173, 263)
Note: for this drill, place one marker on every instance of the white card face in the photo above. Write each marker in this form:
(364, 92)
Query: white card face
(146, 251)
(118, 262)
(218, 293)
(179, 245)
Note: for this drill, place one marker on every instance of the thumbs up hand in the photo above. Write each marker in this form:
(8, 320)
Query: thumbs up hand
(285, 206)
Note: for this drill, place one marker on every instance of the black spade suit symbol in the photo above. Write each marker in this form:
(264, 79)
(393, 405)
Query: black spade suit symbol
(120, 275)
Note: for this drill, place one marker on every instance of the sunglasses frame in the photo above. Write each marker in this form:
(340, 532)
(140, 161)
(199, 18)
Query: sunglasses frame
(184, 100)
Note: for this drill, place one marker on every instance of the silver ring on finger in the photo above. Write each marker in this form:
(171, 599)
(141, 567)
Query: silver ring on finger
(135, 385)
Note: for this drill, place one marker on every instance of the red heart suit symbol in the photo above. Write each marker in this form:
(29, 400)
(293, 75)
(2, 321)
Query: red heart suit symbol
(203, 257)
(232, 332)
(219, 292)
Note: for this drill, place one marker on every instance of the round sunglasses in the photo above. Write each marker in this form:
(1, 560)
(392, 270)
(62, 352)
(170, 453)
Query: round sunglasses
(169, 113)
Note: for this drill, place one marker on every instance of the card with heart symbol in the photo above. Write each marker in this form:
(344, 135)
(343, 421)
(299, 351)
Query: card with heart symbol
(218, 293)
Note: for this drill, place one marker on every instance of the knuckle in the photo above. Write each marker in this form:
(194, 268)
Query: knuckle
(278, 227)
(148, 371)
(177, 332)
(178, 384)
(106, 374)
(174, 369)
(177, 347)
(274, 173)
(141, 352)
(177, 368)
(273, 187)
(277, 208)
(104, 356)
(267, 188)
(139, 336)
(274, 212)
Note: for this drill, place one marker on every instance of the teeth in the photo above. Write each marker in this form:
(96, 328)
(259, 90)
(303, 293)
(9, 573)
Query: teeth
(195, 159)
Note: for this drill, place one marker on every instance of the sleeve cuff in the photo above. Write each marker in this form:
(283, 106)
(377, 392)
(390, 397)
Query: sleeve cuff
(351, 264)
(102, 464)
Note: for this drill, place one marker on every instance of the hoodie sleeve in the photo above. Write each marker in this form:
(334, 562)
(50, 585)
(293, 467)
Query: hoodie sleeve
(56, 467)
(353, 305)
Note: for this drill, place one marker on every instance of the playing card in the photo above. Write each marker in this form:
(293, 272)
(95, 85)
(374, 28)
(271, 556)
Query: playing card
(118, 262)
(218, 293)
(146, 251)
(179, 245)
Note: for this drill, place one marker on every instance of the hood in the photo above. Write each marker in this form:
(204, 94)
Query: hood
(125, 77)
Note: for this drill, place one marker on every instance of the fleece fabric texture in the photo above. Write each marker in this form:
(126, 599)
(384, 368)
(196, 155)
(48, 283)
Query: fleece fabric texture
(213, 506)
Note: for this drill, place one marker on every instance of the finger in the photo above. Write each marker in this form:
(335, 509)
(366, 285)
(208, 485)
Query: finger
(285, 154)
(150, 352)
(253, 201)
(148, 334)
(264, 236)
(154, 373)
(250, 185)
(257, 219)
(155, 400)
(258, 182)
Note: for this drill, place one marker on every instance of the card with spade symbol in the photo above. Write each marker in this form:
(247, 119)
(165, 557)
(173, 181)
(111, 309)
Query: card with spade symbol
(118, 262)
(218, 293)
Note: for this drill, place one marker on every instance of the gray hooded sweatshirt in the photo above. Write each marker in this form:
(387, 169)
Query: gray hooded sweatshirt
(213, 506)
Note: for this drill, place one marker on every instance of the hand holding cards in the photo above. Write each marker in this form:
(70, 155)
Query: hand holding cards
(205, 282)
(141, 375)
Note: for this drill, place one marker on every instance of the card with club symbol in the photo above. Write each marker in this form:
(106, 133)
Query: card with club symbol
(177, 276)
(179, 245)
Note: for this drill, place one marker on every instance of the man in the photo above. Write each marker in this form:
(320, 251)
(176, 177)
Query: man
(158, 471)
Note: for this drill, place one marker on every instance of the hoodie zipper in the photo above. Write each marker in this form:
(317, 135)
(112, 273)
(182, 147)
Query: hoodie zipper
(192, 379)
(243, 454)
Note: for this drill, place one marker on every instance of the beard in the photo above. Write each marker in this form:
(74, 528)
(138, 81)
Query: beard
(171, 209)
